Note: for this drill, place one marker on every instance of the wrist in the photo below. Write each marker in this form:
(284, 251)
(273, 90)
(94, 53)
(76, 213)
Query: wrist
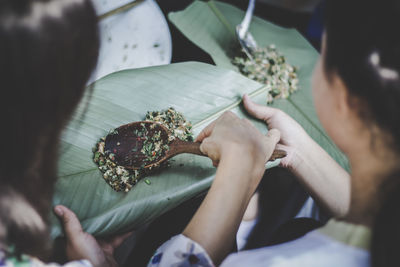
(304, 156)
(300, 152)
(247, 158)
(241, 168)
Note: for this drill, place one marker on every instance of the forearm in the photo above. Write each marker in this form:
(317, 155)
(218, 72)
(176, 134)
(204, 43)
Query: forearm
(325, 179)
(216, 222)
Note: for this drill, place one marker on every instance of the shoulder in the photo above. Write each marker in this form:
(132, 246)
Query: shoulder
(314, 249)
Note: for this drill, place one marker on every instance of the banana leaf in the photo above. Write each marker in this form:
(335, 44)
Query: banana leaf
(201, 92)
(211, 26)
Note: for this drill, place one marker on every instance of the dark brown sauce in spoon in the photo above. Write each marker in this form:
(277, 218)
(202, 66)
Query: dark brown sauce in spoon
(128, 142)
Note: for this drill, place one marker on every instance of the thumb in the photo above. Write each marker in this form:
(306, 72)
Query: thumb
(256, 110)
(116, 241)
(210, 149)
(271, 140)
(72, 226)
(273, 136)
(206, 132)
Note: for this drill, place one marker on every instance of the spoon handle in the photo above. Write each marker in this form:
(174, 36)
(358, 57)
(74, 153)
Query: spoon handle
(277, 154)
(179, 146)
(247, 19)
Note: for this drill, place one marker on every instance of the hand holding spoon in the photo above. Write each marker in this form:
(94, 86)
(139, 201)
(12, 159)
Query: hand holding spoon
(144, 144)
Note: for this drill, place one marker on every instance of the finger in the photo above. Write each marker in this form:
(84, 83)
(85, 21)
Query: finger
(281, 147)
(71, 224)
(206, 132)
(256, 110)
(110, 239)
(207, 147)
(285, 161)
(105, 246)
(118, 240)
(273, 136)
(271, 140)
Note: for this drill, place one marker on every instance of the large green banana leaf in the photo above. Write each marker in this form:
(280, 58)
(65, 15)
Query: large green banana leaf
(211, 25)
(200, 91)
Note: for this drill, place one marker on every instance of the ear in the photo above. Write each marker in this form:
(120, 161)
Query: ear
(343, 100)
(348, 106)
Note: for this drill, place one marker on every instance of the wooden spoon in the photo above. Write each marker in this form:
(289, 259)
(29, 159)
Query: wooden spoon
(126, 143)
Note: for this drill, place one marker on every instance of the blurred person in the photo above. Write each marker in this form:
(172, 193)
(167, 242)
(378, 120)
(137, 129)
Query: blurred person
(48, 50)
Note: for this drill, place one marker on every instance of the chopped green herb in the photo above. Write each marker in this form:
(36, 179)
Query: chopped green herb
(147, 181)
(113, 131)
(173, 121)
(96, 156)
(121, 179)
(269, 67)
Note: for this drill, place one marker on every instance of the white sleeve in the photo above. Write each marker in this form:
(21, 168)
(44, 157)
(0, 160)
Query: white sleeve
(180, 251)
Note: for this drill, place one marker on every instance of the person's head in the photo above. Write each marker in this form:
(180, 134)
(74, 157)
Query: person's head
(361, 57)
(356, 90)
(48, 50)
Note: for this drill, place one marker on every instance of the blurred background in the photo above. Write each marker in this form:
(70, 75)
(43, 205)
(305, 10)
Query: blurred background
(141, 36)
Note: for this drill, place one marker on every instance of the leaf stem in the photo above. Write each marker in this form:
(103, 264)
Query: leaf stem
(221, 17)
(235, 104)
(76, 173)
(260, 90)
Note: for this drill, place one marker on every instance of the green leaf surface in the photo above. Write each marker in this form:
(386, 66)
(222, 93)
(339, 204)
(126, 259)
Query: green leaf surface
(201, 92)
(211, 26)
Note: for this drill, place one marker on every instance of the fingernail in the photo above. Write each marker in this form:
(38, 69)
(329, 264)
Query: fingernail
(58, 211)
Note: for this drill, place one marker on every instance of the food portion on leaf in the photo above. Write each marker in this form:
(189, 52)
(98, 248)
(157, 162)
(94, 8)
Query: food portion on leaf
(154, 146)
(146, 145)
(138, 144)
(173, 121)
(269, 67)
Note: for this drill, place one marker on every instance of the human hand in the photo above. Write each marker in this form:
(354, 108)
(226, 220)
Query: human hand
(81, 245)
(230, 135)
(293, 137)
(241, 151)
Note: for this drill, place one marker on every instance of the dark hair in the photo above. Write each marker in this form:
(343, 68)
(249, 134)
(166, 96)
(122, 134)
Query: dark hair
(48, 50)
(363, 48)
(386, 232)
